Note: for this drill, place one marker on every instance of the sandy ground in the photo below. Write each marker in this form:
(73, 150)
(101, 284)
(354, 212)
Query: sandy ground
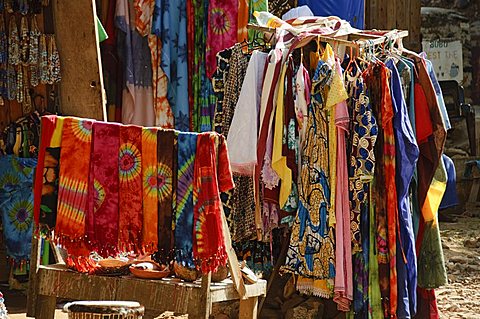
(461, 246)
(459, 299)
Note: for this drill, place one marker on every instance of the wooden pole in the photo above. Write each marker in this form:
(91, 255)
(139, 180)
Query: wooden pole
(81, 88)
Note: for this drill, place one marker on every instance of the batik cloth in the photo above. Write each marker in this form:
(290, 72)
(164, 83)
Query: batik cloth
(222, 30)
(219, 80)
(170, 25)
(137, 94)
(212, 176)
(167, 169)
(102, 226)
(311, 251)
(361, 168)
(143, 20)
(73, 184)
(150, 189)
(16, 205)
(183, 223)
(130, 217)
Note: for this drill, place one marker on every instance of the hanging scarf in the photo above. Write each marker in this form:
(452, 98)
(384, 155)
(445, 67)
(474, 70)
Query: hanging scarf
(187, 144)
(103, 196)
(130, 187)
(222, 30)
(209, 244)
(16, 205)
(150, 189)
(166, 159)
(47, 128)
(73, 184)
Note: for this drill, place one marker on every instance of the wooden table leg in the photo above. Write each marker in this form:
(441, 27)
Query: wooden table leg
(248, 308)
(45, 308)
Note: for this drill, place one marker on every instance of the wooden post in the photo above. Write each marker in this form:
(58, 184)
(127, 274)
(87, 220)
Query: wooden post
(81, 88)
(45, 308)
(205, 305)
(32, 279)
(248, 308)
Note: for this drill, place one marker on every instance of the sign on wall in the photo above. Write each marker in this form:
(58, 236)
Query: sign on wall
(447, 59)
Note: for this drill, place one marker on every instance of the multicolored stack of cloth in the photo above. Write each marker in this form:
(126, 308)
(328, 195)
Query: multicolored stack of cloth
(103, 186)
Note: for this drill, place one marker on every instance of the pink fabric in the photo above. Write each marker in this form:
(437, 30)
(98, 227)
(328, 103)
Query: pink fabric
(343, 253)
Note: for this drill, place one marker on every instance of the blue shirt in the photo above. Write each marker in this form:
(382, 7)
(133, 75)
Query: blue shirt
(406, 157)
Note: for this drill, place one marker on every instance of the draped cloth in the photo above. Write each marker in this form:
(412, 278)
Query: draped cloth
(166, 165)
(103, 193)
(16, 205)
(73, 183)
(150, 189)
(212, 176)
(183, 225)
(130, 187)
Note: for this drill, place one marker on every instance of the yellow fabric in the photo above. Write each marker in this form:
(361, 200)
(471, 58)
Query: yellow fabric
(435, 194)
(336, 94)
(318, 287)
(279, 162)
(57, 133)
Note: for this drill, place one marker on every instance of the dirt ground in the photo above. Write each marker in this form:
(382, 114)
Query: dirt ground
(461, 247)
(459, 299)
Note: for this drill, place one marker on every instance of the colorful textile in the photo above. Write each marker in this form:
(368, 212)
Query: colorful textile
(222, 30)
(16, 205)
(242, 21)
(219, 80)
(311, 250)
(211, 177)
(166, 168)
(130, 217)
(47, 127)
(143, 20)
(170, 25)
(102, 226)
(255, 5)
(73, 183)
(150, 189)
(183, 224)
(137, 95)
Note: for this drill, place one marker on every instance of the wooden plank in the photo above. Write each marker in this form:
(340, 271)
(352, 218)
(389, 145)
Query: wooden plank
(205, 302)
(248, 308)
(72, 285)
(415, 22)
(32, 278)
(258, 289)
(81, 88)
(45, 307)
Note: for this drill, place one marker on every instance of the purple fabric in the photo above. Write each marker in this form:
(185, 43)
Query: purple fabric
(450, 198)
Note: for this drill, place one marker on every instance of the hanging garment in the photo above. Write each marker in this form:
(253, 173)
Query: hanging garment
(219, 80)
(450, 198)
(183, 224)
(150, 189)
(170, 25)
(242, 136)
(212, 176)
(73, 184)
(137, 98)
(167, 179)
(130, 161)
(143, 20)
(242, 21)
(407, 153)
(102, 224)
(311, 227)
(222, 30)
(16, 205)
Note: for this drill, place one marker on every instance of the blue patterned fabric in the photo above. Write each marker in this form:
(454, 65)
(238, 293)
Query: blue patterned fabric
(170, 24)
(16, 205)
(187, 147)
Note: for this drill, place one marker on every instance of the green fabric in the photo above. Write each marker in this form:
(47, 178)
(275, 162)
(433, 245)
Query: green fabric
(375, 308)
(102, 34)
(46, 252)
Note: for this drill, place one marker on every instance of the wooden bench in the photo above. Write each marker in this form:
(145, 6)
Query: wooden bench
(47, 283)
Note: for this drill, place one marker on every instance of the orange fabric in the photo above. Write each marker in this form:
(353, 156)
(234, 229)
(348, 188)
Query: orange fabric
(149, 175)
(243, 16)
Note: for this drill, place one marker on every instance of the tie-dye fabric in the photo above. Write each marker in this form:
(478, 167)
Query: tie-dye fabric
(187, 145)
(16, 205)
(150, 189)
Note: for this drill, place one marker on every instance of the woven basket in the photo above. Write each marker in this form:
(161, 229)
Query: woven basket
(104, 310)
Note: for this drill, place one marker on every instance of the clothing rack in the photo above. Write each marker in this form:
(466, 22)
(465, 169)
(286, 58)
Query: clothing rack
(358, 40)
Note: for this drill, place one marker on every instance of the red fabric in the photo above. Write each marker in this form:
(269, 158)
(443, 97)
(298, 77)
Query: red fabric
(423, 122)
(47, 127)
(210, 179)
(130, 188)
(103, 199)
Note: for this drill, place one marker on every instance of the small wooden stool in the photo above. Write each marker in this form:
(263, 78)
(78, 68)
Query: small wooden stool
(104, 310)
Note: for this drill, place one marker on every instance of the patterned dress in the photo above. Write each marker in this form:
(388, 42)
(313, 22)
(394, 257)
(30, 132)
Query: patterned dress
(311, 252)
